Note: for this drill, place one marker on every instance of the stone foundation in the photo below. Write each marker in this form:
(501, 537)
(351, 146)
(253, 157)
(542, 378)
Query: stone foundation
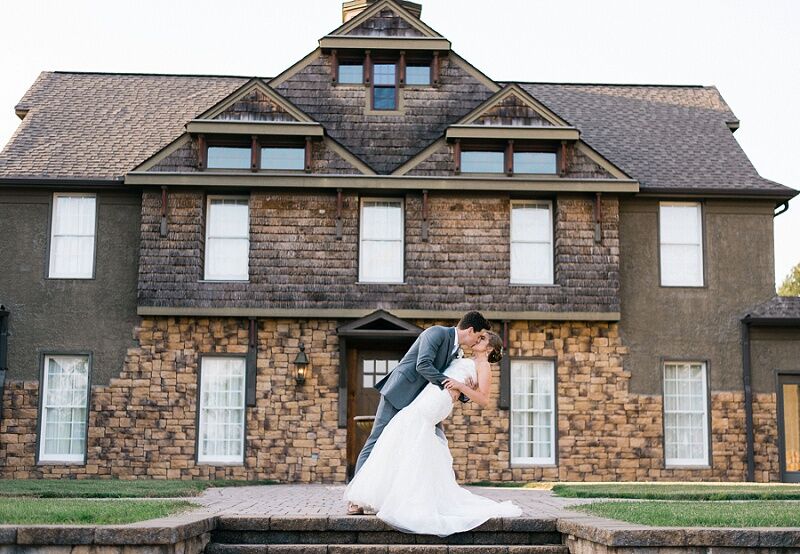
(142, 424)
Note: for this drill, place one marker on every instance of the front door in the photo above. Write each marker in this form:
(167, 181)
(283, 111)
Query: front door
(366, 367)
(789, 426)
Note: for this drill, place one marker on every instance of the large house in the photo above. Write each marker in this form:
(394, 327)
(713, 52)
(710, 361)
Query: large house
(203, 276)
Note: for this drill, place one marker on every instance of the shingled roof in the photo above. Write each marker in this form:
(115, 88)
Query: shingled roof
(776, 308)
(102, 126)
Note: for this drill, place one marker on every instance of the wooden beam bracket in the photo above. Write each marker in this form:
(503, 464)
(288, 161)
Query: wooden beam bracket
(255, 154)
(202, 152)
(308, 155)
(334, 66)
(425, 215)
(435, 69)
(598, 217)
(339, 202)
(252, 356)
(457, 157)
(163, 229)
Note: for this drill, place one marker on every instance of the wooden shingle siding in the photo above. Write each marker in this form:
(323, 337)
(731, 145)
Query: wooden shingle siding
(296, 261)
(255, 106)
(385, 24)
(512, 111)
(184, 159)
(384, 141)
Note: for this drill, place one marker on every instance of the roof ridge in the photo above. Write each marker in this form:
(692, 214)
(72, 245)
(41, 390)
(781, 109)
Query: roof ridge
(654, 85)
(134, 74)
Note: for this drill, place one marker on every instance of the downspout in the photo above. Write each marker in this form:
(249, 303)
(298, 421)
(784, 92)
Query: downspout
(3, 353)
(785, 208)
(748, 398)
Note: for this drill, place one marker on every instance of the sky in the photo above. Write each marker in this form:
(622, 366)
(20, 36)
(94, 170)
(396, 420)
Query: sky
(749, 49)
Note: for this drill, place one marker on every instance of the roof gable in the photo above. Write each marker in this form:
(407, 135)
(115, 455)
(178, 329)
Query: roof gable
(385, 18)
(512, 105)
(255, 101)
(379, 323)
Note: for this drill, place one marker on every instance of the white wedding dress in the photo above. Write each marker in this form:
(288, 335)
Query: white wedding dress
(408, 478)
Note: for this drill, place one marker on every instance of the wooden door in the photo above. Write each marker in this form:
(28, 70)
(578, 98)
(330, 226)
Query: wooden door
(789, 426)
(365, 368)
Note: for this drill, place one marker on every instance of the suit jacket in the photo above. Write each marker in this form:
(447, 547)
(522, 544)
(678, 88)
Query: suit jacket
(424, 362)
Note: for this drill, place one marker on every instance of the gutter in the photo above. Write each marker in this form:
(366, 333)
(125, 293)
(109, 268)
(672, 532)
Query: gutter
(61, 181)
(785, 205)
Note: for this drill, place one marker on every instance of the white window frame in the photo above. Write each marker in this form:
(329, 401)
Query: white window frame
(662, 243)
(704, 413)
(51, 273)
(205, 371)
(230, 276)
(43, 430)
(550, 279)
(361, 263)
(548, 367)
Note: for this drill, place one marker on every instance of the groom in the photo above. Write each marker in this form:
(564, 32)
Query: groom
(424, 362)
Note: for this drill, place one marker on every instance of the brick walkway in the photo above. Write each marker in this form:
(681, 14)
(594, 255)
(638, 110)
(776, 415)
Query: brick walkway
(321, 500)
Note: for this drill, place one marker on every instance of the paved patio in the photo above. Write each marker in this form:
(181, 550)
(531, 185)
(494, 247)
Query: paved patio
(326, 500)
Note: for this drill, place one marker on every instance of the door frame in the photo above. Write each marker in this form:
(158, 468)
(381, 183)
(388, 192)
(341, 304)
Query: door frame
(781, 377)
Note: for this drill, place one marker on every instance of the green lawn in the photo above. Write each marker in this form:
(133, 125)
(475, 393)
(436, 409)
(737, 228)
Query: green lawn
(756, 513)
(30, 511)
(688, 491)
(112, 488)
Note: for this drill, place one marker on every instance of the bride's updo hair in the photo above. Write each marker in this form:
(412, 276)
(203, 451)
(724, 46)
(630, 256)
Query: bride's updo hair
(496, 345)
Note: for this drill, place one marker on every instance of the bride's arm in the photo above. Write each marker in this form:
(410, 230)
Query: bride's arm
(481, 394)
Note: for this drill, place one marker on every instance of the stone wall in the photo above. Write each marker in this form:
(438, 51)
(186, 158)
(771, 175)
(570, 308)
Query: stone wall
(142, 425)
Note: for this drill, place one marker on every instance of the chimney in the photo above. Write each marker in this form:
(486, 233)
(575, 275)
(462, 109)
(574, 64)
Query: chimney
(352, 8)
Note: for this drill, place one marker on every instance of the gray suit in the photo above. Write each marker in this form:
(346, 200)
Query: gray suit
(424, 363)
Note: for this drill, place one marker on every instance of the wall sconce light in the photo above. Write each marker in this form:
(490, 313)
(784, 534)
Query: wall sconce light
(301, 361)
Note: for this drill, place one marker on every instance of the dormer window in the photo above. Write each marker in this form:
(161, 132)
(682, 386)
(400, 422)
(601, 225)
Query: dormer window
(351, 74)
(286, 158)
(384, 86)
(510, 157)
(229, 157)
(419, 75)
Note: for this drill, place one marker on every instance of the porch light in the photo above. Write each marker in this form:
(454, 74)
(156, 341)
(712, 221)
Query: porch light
(301, 361)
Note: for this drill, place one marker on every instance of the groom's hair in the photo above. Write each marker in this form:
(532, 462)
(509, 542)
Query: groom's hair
(474, 320)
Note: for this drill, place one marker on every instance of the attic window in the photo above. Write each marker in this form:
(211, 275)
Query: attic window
(418, 75)
(276, 157)
(513, 157)
(384, 86)
(351, 74)
(228, 157)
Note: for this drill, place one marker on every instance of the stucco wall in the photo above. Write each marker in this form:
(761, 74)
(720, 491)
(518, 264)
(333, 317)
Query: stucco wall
(702, 323)
(49, 315)
(771, 349)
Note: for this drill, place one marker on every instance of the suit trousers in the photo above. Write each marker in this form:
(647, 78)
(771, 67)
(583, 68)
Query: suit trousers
(383, 416)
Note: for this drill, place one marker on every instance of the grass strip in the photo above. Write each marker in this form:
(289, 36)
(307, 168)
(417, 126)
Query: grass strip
(113, 488)
(28, 511)
(669, 491)
(699, 514)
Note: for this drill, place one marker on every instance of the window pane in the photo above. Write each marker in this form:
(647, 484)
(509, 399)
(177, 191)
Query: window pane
(534, 162)
(685, 417)
(681, 265)
(482, 162)
(382, 220)
(228, 157)
(384, 98)
(227, 239)
(65, 392)
(283, 158)
(680, 231)
(532, 411)
(228, 217)
(351, 74)
(72, 236)
(418, 75)
(383, 74)
(221, 431)
(680, 224)
(531, 243)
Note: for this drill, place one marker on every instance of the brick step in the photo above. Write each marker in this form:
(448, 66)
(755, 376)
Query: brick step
(215, 548)
(369, 530)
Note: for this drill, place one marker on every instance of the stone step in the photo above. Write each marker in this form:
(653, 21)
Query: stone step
(368, 530)
(216, 548)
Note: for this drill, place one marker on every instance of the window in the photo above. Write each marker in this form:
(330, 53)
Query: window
(531, 242)
(351, 74)
(381, 252)
(375, 370)
(65, 390)
(681, 235)
(283, 158)
(685, 415)
(418, 75)
(533, 414)
(384, 86)
(72, 236)
(227, 239)
(228, 157)
(221, 425)
(535, 162)
(479, 161)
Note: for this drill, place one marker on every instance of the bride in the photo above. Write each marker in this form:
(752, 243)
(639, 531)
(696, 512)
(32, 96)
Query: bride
(408, 478)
